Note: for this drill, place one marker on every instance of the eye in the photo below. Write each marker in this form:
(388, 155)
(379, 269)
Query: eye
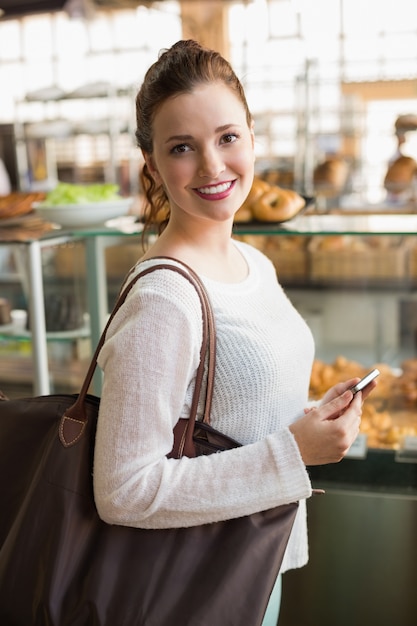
(180, 148)
(229, 138)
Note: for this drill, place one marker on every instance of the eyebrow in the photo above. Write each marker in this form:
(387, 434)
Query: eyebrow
(178, 138)
(219, 129)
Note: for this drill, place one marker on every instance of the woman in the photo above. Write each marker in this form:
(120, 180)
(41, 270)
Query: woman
(196, 135)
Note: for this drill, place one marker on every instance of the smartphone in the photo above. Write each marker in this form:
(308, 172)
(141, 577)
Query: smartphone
(365, 381)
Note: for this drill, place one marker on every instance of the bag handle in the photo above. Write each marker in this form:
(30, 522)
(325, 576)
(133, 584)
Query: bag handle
(75, 417)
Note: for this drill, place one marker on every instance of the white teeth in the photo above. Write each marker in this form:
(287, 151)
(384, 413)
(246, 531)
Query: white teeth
(215, 188)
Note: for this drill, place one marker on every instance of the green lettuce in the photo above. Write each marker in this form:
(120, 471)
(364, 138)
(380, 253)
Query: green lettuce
(68, 193)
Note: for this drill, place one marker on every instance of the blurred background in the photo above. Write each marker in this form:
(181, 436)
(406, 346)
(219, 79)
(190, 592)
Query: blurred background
(322, 78)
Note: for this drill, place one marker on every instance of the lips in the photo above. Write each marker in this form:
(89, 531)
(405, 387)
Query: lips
(215, 192)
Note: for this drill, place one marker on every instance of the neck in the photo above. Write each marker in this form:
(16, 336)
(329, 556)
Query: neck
(209, 251)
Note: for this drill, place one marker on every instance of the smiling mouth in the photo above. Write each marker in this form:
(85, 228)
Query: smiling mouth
(212, 190)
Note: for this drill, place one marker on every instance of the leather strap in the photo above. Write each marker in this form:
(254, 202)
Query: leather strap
(75, 418)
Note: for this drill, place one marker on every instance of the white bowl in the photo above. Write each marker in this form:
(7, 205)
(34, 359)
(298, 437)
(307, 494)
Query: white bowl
(83, 215)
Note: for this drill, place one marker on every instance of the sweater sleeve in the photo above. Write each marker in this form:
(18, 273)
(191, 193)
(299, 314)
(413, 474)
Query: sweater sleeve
(149, 361)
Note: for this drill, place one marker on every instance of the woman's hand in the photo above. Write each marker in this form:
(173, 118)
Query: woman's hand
(325, 433)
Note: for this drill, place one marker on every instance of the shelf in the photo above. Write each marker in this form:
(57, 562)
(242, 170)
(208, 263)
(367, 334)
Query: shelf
(370, 284)
(325, 224)
(73, 127)
(379, 473)
(303, 225)
(7, 332)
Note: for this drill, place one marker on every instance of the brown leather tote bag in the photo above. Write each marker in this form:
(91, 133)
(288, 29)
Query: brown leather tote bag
(61, 565)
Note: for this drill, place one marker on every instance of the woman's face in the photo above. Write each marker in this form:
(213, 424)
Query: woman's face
(203, 152)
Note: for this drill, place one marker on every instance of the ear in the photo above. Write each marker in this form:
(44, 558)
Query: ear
(149, 160)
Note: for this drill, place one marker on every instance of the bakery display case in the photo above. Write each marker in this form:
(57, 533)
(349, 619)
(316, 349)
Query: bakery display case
(353, 278)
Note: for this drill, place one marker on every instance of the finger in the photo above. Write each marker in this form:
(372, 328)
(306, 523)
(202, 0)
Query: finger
(340, 388)
(351, 382)
(333, 409)
(357, 403)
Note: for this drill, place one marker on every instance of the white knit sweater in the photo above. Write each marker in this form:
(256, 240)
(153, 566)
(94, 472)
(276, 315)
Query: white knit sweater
(263, 364)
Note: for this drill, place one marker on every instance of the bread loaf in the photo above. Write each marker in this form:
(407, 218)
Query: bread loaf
(329, 177)
(400, 174)
(269, 203)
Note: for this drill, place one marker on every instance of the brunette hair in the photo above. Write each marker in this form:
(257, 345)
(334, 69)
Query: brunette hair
(178, 69)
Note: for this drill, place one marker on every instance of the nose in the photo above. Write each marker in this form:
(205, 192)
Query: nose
(211, 164)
